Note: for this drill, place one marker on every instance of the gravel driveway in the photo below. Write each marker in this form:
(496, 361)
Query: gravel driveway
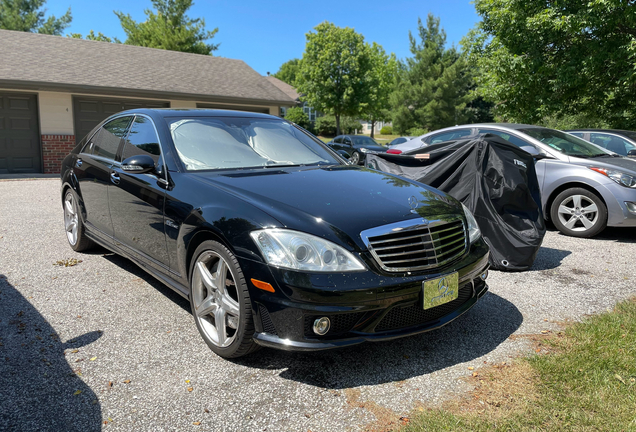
(102, 345)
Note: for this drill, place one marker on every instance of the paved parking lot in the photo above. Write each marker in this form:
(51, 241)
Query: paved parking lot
(102, 345)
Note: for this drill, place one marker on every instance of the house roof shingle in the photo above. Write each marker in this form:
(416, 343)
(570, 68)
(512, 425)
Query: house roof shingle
(53, 62)
(286, 88)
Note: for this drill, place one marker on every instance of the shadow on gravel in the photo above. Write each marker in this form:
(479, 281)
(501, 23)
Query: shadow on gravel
(37, 384)
(549, 258)
(478, 332)
(620, 235)
(133, 268)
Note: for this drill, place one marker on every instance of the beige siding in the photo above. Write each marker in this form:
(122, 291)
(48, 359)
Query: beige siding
(56, 113)
(182, 104)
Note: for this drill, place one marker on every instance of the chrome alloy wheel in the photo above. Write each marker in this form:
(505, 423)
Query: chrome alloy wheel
(70, 218)
(355, 159)
(215, 298)
(578, 213)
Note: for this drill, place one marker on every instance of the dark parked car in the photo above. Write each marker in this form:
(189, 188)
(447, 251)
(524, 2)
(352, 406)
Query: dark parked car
(618, 141)
(356, 146)
(274, 239)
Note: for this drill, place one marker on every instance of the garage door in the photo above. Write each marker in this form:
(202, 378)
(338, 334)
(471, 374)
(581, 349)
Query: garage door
(264, 110)
(19, 134)
(88, 112)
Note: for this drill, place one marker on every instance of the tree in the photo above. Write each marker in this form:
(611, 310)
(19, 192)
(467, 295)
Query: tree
(28, 16)
(95, 37)
(382, 81)
(558, 58)
(169, 28)
(433, 86)
(298, 116)
(288, 71)
(335, 71)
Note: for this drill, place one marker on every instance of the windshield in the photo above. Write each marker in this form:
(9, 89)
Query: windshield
(362, 140)
(207, 143)
(565, 143)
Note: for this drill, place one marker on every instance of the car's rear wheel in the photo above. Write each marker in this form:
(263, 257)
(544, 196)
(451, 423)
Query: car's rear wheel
(220, 301)
(355, 158)
(577, 212)
(73, 224)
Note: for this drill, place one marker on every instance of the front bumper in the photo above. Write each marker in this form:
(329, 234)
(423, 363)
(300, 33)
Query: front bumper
(361, 306)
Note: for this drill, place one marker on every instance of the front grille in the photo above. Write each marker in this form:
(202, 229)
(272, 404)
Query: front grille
(340, 324)
(403, 317)
(400, 248)
(266, 320)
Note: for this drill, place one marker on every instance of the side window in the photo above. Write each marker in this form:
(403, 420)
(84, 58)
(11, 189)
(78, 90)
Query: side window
(346, 140)
(142, 140)
(510, 138)
(577, 134)
(107, 142)
(611, 143)
(338, 140)
(448, 136)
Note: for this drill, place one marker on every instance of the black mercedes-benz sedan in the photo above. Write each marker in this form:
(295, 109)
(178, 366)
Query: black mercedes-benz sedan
(274, 238)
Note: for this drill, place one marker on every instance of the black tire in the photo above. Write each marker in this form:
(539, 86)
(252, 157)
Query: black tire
(243, 342)
(355, 158)
(82, 242)
(579, 223)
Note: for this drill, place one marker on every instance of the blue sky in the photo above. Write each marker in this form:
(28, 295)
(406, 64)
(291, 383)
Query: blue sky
(265, 34)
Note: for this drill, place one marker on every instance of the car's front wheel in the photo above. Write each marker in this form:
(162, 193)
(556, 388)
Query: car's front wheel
(355, 158)
(577, 212)
(73, 224)
(220, 301)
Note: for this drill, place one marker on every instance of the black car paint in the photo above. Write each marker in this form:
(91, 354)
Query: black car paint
(179, 209)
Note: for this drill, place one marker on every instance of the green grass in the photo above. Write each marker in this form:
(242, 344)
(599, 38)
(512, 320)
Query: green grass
(585, 382)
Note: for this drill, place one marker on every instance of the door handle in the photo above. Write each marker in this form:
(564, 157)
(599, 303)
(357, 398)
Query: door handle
(114, 177)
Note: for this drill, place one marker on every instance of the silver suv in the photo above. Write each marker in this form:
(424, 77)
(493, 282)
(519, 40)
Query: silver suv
(584, 187)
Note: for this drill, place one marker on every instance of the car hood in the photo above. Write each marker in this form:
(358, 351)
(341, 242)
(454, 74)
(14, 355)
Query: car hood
(336, 202)
(624, 164)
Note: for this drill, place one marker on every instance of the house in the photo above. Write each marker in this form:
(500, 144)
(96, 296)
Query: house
(291, 92)
(54, 90)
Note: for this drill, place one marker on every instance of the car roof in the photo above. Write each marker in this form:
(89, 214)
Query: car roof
(617, 131)
(198, 112)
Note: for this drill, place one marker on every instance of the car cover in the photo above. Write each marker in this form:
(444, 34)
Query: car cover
(495, 179)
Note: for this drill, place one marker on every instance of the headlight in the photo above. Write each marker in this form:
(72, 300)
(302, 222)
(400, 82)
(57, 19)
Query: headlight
(619, 177)
(363, 150)
(299, 251)
(473, 229)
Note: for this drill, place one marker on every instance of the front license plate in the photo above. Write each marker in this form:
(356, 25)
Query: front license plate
(440, 291)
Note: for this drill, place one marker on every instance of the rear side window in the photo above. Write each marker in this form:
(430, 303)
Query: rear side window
(108, 139)
(142, 140)
(510, 138)
(448, 136)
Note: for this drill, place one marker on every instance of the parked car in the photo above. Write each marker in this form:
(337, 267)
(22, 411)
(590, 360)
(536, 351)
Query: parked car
(275, 240)
(584, 187)
(400, 140)
(618, 141)
(428, 139)
(356, 146)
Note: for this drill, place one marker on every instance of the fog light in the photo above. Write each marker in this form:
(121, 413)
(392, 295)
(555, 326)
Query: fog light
(631, 206)
(484, 275)
(321, 326)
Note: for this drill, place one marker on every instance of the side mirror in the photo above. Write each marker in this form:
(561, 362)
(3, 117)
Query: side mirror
(631, 153)
(138, 164)
(534, 152)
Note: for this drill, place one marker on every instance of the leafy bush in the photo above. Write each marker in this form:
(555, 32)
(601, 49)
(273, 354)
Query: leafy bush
(298, 116)
(326, 125)
(386, 130)
(416, 131)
